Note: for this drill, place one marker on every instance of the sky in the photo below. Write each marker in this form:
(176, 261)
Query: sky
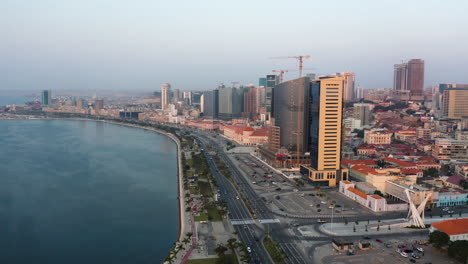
(196, 45)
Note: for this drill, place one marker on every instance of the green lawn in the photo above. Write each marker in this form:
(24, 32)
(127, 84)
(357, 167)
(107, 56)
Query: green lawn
(205, 189)
(214, 213)
(193, 189)
(202, 217)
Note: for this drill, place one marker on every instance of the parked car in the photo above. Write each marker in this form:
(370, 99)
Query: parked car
(249, 249)
(378, 240)
(412, 260)
(403, 254)
(420, 249)
(366, 237)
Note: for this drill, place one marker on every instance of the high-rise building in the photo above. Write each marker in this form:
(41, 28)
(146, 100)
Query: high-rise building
(362, 112)
(400, 76)
(231, 102)
(416, 76)
(165, 95)
(210, 103)
(46, 98)
(271, 82)
(409, 77)
(262, 81)
(81, 103)
(454, 102)
(348, 89)
(188, 97)
(250, 103)
(325, 123)
(176, 96)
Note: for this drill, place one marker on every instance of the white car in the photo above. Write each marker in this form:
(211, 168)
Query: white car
(403, 254)
(445, 209)
(420, 249)
(249, 249)
(237, 197)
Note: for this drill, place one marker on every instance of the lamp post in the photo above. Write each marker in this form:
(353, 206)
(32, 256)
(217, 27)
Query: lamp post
(331, 225)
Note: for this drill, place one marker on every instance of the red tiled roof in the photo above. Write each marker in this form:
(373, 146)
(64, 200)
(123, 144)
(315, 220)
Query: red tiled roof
(365, 169)
(452, 227)
(410, 171)
(356, 191)
(400, 163)
(376, 197)
(260, 132)
(348, 162)
(346, 182)
(248, 129)
(455, 179)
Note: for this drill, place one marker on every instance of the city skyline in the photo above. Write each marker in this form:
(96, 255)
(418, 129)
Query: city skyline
(138, 47)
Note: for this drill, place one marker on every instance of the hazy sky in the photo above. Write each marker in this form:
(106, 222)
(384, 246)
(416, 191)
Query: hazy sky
(196, 44)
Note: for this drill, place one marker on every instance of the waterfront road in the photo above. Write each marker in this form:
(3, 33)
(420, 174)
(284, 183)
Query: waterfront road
(237, 211)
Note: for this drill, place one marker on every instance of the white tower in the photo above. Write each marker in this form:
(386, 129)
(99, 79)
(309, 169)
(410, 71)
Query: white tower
(165, 95)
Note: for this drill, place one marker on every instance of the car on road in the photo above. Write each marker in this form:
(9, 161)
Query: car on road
(323, 202)
(445, 209)
(321, 221)
(254, 182)
(273, 182)
(378, 240)
(337, 205)
(366, 237)
(451, 212)
(278, 189)
(403, 254)
(237, 197)
(388, 245)
(245, 226)
(249, 250)
(420, 249)
(416, 256)
(412, 260)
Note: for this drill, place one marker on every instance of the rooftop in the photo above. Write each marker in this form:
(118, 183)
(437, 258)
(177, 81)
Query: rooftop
(452, 227)
(357, 192)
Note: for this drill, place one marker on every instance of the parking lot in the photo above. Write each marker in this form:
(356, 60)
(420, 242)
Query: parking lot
(283, 195)
(381, 253)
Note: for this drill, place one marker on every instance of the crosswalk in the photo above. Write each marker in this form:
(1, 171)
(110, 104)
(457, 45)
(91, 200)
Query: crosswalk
(252, 221)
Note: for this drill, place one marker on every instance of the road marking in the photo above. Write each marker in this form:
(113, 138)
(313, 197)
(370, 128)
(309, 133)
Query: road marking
(252, 221)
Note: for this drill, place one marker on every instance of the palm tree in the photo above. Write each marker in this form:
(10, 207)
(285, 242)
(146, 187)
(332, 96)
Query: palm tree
(169, 258)
(180, 246)
(232, 244)
(186, 240)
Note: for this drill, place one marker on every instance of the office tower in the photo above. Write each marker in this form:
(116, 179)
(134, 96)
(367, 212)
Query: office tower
(445, 86)
(202, 103)
(262, 81)
(271, 82)
(362, 112)
(324, 131)
(188, 97)
(415, 77)
(399, 77)
(210, 103)
(99, 104)
(409, 77)
(454, 102)
(348, 89)
(176, 95)
(231, 102)
(165, 95)
(261, 99)
(250, 102)
(46, 98)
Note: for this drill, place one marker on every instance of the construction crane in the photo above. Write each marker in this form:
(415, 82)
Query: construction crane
(300, 58)
(281, 72)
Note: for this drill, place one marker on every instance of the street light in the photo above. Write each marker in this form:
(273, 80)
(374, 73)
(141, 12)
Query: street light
(331, 225)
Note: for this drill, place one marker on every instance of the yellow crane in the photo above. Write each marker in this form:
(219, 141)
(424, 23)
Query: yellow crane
(300, 58)
(281, 72)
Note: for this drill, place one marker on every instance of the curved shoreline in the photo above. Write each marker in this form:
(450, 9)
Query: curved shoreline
(180, 197)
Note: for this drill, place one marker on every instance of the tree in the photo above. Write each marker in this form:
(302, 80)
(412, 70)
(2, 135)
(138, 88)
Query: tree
(354, 228)
(431, 172)
(458, 250)
(232, 244)
(464, 184)
(438, 239)
(220, 250)
(381, 163)
(186, 240)
(346, 221)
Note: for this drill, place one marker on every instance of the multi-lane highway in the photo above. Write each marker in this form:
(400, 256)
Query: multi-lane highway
(238, 210)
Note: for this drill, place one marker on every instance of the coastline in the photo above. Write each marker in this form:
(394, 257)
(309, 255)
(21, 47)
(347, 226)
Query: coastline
(180, 196)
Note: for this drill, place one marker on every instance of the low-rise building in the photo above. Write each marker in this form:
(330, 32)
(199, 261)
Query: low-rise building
(447, 149)
(377, 136)
(374, 202)
(246, 135)
(456, 229)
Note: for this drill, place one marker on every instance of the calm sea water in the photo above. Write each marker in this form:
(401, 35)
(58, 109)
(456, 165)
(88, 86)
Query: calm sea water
(85, 192)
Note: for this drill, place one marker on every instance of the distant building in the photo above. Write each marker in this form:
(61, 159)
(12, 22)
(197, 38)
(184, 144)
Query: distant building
(262, 81)
(409, 77)
(362, 112)
(348, 85)
(250, 103)
(98, 104)
(46, 98)
(188, 97)
(209, 104)
(165, 95)
(454, 102)
(246, 135)
(271, 82)
(231, 102)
